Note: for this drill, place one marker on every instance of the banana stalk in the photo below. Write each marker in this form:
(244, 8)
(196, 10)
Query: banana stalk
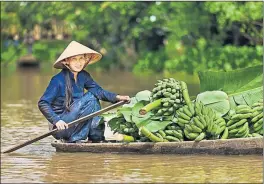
(150, 135)
(185, 93)
(144, 110)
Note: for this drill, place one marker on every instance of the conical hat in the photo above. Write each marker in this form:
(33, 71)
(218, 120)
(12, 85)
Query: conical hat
(73, 49)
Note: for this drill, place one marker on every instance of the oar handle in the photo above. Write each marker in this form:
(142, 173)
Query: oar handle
(70, 124)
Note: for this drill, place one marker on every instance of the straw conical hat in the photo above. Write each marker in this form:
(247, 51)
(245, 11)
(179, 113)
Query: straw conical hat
(73, 49)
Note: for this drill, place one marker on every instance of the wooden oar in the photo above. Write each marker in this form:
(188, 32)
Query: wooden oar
(69, 125)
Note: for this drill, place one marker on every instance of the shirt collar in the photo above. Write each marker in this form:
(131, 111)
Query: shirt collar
(71, 74)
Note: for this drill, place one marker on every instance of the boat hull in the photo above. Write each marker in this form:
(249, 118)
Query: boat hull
(242, 146)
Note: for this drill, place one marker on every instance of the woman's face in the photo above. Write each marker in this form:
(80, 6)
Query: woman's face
(76, 63)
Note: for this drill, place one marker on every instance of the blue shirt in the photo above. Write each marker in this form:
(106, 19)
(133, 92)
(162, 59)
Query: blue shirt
(52, 103)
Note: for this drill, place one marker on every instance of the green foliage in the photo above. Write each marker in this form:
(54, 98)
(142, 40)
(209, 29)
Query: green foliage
(48, 50)
(151, 61)
(149, 36)
(224, 58)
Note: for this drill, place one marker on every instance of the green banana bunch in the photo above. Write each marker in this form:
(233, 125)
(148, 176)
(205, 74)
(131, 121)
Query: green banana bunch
(169, 90)
(238, 125)
(199, 122)
(127, 128)
(172, 133)
(256, 121)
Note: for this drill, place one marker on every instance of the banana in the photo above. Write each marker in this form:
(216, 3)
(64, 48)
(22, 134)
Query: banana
(222, 123)
(237, 124)
(191, 108)
(181, 124)
(175, 120)
(198, 123)
(171, 138)
(187, 112)
(189, 128)
(207, 119)
(241, 116)
(180, 110)
(214, 129)
(220, 130)
(200, 137)
(218, 120)
(241, 107)
(186, 133)
(162, 133)
(254, 114)
(209, 124)
(198, 108)
(258, 108)
(256, 104)
(244, 111)
(246, 134)
(182, 121)
(193, 135)
(196, 129)
(258, 123)
(225, 134)
(257, 117)
(203, 120)
(178, 135)
(184, 116)
(231, 122)
(169, 132)
(256, 129)
(234, 131)
(157, 134)
(242, 134)
(243, 129)
(211, 113)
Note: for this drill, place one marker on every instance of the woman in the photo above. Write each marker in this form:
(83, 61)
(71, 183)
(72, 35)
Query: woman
(64, 99)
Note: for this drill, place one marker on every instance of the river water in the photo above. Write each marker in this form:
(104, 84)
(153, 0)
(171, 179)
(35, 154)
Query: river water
(21, 120)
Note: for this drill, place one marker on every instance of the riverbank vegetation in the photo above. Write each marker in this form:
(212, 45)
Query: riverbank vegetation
(140, 36)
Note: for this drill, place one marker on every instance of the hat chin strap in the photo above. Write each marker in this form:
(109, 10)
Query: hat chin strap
(88, 61)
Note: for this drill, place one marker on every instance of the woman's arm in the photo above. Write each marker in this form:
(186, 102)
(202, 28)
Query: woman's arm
(45, 101)
(98, 91)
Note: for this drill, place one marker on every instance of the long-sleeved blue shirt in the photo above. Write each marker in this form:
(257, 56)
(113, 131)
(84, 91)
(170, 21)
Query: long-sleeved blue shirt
(52, 103)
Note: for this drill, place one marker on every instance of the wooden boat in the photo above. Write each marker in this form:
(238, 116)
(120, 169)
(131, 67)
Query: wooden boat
(27, 61)
(241, 146)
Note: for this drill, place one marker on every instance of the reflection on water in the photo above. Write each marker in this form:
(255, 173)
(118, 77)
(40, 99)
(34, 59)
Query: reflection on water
(21, 120)
(151, 168)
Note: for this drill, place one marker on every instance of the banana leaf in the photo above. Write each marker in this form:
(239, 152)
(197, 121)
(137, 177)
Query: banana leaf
(108, 116)
(245, 86)
(217, 100)
(113, 122)
(153, 125)
(143, 95)
(127, 113)
(231, 82)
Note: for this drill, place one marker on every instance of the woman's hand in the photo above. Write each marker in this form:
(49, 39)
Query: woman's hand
(61, 125)
(123, 98)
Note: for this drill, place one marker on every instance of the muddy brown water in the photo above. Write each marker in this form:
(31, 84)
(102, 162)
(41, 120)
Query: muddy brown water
(21, 120)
